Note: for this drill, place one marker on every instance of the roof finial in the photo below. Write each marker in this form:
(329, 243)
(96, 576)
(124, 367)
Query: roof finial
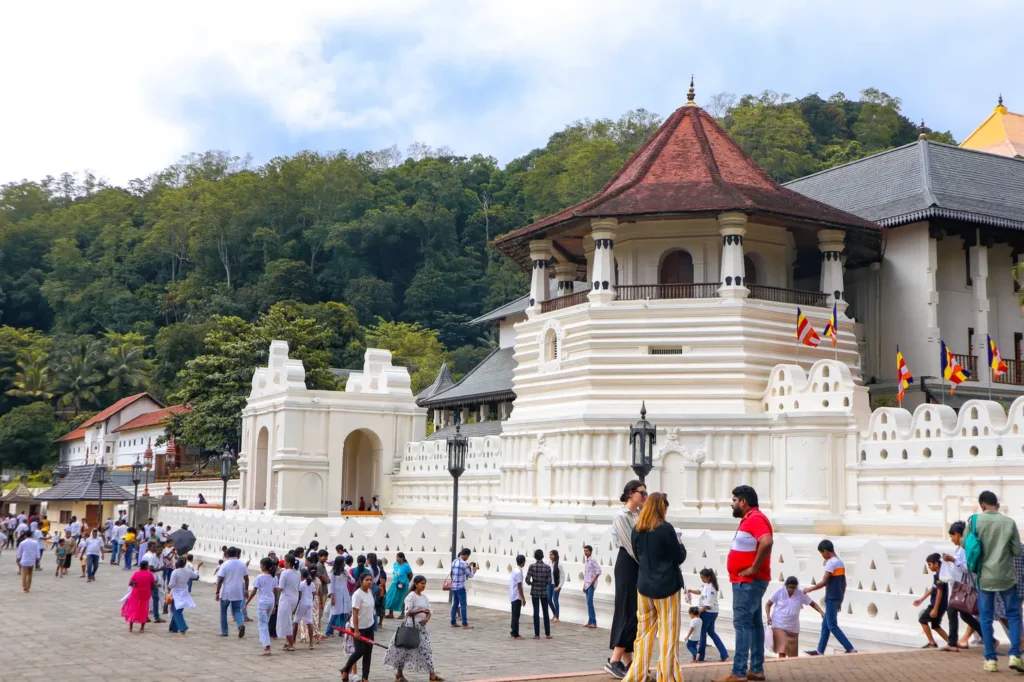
(921, 131)
(1000, 99)
(690, 94)
(1000, 109)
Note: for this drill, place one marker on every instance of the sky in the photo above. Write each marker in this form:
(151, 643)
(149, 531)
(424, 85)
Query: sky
(124, 89)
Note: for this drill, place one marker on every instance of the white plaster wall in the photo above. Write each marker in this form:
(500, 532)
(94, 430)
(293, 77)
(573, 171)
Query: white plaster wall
(212, 490)
(1005, 318)
(909, 303)
(956, 299)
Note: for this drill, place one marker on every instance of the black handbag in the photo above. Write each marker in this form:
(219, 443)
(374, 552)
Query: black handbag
(408, 636)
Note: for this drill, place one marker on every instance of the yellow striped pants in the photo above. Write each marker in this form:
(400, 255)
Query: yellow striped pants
(656, 617)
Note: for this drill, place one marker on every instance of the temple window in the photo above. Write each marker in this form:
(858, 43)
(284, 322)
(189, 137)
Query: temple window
(676, 268)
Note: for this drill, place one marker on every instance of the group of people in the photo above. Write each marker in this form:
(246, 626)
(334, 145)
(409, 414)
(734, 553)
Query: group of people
(374, 505)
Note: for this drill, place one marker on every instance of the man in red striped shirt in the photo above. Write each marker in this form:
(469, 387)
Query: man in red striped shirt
(749, 565)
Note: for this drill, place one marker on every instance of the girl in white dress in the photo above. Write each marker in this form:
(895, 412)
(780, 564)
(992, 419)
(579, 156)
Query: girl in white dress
(417, 610)
(181, 598)
(304, 612)
(287, 602)
(341, 597)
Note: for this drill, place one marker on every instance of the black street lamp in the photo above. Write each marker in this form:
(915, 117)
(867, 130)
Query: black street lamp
(136, 479)
(227, 459)
(101, 478)
(641, 439)
(458, 445)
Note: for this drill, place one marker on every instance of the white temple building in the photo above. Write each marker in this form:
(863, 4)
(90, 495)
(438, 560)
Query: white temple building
(678, 286)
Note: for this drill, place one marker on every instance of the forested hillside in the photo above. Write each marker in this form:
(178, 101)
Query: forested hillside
(169, 284)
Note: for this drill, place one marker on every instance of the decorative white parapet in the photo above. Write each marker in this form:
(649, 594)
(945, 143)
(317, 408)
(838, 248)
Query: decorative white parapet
(423, 483)
(926, 469)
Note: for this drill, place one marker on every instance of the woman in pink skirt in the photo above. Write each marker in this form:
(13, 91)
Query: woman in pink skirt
(136, 607)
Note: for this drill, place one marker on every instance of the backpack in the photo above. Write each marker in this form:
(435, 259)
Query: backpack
(972, 548)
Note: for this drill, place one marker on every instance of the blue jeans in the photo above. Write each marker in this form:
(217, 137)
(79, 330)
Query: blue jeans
(92, 563)
(236, 613)
(746, 621)
(986, 609)
(115, 551)
(691, 646)
(553, 599)
(155, 596)
(177, 620)
(830, 625)
(337, 622)
(591, 614)
(459, 602)
(128, 552)
(707, 629)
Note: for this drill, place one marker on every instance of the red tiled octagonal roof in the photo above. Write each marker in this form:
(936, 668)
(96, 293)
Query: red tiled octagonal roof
(689, 165)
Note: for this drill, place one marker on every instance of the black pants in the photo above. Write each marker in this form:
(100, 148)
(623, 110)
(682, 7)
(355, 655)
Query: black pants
(364, 650)
(538, 604)
(954, 625)
(517, 609)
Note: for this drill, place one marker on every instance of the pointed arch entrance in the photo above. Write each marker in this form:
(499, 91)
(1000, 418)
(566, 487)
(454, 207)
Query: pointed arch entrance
(360, 467)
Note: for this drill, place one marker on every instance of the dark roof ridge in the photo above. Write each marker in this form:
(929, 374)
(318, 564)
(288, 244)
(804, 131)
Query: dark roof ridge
(466, 375)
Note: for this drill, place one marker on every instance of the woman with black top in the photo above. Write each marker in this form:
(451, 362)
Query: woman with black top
(624, 621)
(659, 552)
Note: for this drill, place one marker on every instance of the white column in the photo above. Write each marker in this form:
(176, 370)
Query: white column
(602, 285)
(732, 228)
(565, 275)
(831, 243)
(540, 254)
(979, 279)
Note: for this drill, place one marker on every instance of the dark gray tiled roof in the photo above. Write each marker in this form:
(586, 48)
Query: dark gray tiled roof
(924, 180)
(19, 493)
(469, 430)
(491, 379)
(81, 484)
(511, 308)
(442, 382)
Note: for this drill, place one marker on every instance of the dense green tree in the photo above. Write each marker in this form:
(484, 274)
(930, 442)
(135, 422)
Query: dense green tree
(33, 380)
(411, 346)
(25, 436)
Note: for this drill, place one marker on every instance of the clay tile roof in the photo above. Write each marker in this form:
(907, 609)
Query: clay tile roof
(689, 165)
(72, 435)
(115, 408)
(154, 418)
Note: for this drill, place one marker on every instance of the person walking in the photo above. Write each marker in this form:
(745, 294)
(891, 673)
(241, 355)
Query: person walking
(27, 557)
(265, 585)
(341, 595)
(591, 572)
(707, 604)
(787, 602)
(401, 577)
(129, 546)
(93, 550)
(659, 552)
(538, 577)
(232, 584)
(417, 611)
(61, 552)
(960, 575)
(1000, 543)
(180, 595)
(362, 623)
(515, 594)
(834, 582)
(287, 601)
(461, 572)
(555, 586)
(693, 634)
(135, 608)
(938, 602)
(749, 564)
(624, 622)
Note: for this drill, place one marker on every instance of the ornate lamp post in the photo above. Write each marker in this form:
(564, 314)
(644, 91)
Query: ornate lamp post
(227, 459)
(136, 479)
(101, 478)
(148, 459)
(458, 445)
(641, 440)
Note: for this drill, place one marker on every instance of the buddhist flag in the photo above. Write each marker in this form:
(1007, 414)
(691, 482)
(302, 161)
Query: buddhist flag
(830, 327)
(951, 370)
(903, 376)
(995, 361)
(805, 333)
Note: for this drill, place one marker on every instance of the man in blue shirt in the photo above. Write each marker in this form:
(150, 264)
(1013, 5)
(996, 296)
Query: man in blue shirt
(461, 572)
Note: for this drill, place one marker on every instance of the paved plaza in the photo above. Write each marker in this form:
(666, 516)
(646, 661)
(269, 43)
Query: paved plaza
(70, 629)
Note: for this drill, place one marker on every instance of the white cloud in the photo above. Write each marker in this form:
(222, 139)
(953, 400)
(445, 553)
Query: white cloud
(108, 86)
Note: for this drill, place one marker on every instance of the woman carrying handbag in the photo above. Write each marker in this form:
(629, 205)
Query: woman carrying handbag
(410, 647)
(963, 598)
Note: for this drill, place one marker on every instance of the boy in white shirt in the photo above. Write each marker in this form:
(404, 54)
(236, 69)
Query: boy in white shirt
(693, 634)
(515, 594)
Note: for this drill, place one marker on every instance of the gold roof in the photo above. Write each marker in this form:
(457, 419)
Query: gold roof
(1001, 133)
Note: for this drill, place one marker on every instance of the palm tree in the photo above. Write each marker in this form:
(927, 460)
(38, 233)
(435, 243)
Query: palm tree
(78, 375)
(33, 380)
(127, 369)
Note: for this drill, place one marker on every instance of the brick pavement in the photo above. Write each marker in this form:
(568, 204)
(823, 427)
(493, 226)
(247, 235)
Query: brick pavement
(68, 629)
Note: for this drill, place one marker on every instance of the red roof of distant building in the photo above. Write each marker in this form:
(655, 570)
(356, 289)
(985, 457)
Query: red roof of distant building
(689, 165)
(154, 418)
(72, 435)
(115, 408)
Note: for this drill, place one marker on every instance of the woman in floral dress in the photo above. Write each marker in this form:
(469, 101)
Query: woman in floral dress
(417, 609)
